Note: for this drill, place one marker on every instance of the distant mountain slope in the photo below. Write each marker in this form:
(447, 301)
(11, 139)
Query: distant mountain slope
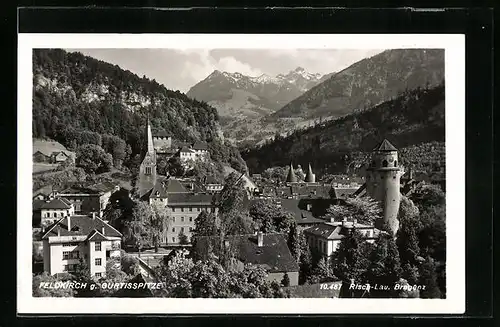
(369, 82)
(237, 96)
(415, 117)
(73, 92)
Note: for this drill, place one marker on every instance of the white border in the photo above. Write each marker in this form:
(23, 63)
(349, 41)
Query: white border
(454, 45)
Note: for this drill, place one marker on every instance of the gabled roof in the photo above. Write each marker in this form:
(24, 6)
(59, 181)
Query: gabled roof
(385, 146)
(95, 236)
(343, 192)
(273, 254)
(81, 225)
(37, 204)
(185, 149)
(56, 204)
(164, 187)
(199, 145)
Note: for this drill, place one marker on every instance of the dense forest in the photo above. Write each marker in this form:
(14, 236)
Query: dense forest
(77, 99)
(413, 122)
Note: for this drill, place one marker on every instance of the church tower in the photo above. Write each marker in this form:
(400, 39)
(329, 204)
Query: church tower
(147, 170)
(291, 178)
(310, 177)
(383, 182)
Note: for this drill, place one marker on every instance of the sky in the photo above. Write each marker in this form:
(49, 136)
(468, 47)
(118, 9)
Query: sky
(181, 69)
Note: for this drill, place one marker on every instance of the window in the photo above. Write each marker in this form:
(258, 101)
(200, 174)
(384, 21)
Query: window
(66, 255)
(173, 229)
(66, 268)
(98, 261)
(182, 229)
(190, 219)
(148, 171)
(67, 244)
(198, 209)
(182, 209)
(190, 209)
(190, 229)
(395, 163)
(173, 239)
(173, 219)
(98, 246)
(182, 219)
(384, 163)
(173, 210)
(98, 274)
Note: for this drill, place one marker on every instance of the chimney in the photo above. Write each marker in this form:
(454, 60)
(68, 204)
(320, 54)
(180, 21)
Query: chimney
(102, 230)
(58, 231)
(93, 215)
(260, 239)
(308, 207)
(69, 222)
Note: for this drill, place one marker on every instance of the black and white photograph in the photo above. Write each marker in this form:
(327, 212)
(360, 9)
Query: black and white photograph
(173, 168)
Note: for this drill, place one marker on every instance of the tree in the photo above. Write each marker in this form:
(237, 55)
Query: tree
(40, 289)
(175, 167)
(365, 210)
(285, 282)
(138, 227)
(113, 275)
(425, 195)
(183, 239)
(93, 159)
(209, 280)
(81, 274)
(350, 260)
(158, 223)
(384, 267)
(321, 273)
(428, 278)
(205, 224)
(270, 217)
(432, 237)
(176, 276)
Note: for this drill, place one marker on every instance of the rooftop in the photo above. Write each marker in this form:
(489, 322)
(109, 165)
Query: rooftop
(335, 230)
(56, 204)
(189, 199)
(385, 146)
(274, 254)
(81, 225)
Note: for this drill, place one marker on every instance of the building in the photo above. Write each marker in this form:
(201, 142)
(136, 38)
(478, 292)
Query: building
(90, 198)
(80, 237)
(325, 238)
(269, 251)
(51, 152)
(383, 182)
(52, 210)
(182, 208)
(212, 186)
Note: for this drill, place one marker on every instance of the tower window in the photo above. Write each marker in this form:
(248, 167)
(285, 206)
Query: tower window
(384, 163)
(395, 163)
(148, 171)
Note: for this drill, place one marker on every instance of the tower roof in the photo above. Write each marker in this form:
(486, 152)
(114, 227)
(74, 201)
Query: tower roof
(385, 146)
(291, 175)
(310, 175)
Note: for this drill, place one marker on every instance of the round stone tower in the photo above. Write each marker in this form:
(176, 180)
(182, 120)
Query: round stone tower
(383, 182)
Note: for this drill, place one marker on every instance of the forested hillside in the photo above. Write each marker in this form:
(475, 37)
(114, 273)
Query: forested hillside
(413, 122)
(78, 99)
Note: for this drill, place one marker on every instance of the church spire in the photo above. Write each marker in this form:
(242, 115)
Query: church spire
(149, 135)
(291, 178)
(310, 177)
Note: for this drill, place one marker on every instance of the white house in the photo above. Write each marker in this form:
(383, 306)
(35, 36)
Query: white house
(80, 237)
(325, 238)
